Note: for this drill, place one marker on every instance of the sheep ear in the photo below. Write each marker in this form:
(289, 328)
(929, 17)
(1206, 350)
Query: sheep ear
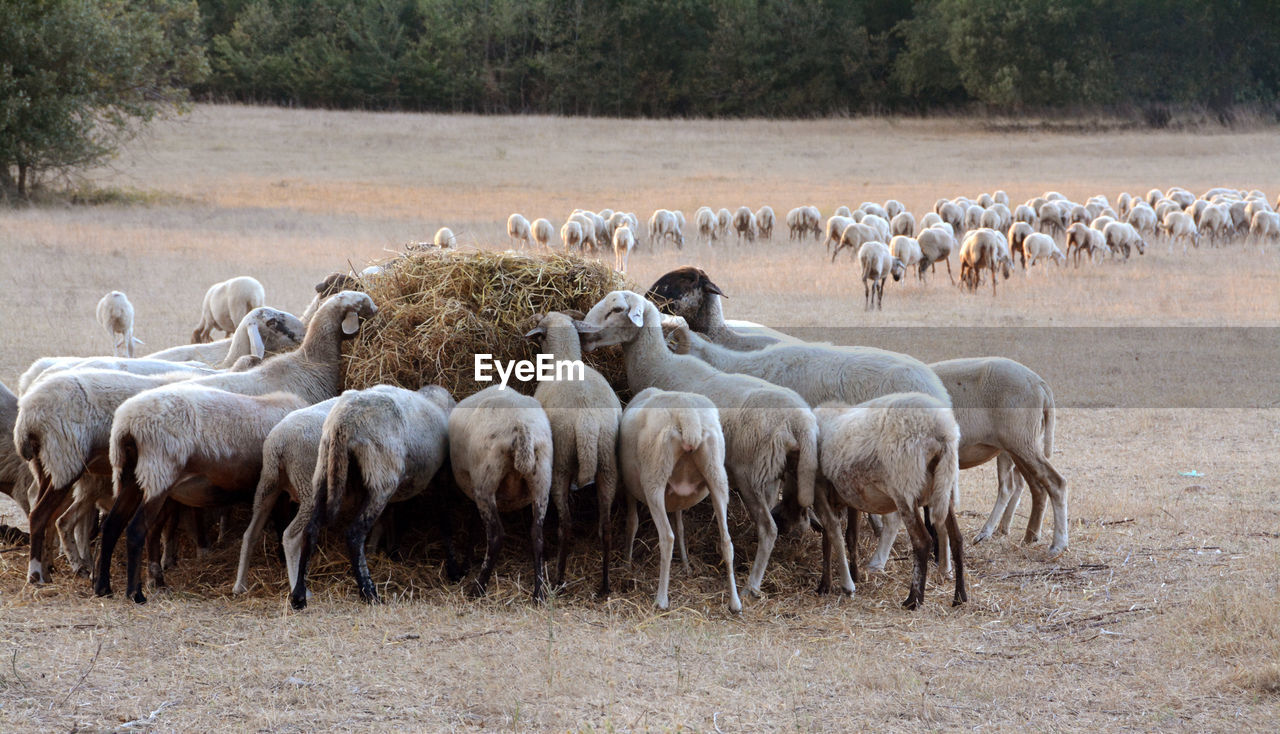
(350, 323)
(574, 314)
(636, 314)
(582, 327)
(256, 347)
(537, 332)
(709, 287)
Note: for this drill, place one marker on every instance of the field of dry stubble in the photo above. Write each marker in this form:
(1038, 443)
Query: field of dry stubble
(1162, 615)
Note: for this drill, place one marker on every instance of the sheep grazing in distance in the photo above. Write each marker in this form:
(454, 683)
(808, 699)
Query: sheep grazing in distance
(877, 265)
(1180, 227)
(1122, 237)
(835, 228)
(724, 220)
(445, 239)
(1039, 246)
(500, 448)
(764, 222)
(767, 428)
(623, 243)
(225, 304)
(584, 417)
(518, 230)
(571, 235)
(397, 439)
(906, 249)
(671, 449)
(705, 220)
(115, 313)
(744, 224)
(664, 224)
(936, 244)
(898, 453)
(312, 373)
(1085, 240)
(1018, 232)
(983, 249)
(1215, 223)
(263, 331)
(587, 231)
(688, 292)
(1265, 227)
(903, 224)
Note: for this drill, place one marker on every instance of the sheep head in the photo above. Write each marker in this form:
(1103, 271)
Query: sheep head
(347, 309)
(683, 291)
(616, 319)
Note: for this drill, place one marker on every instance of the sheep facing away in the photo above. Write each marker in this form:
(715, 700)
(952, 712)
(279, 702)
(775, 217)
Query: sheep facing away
(518, 230)
(983, 249)
(894, 454)
(500, 449)
(671, 449)
(877, 265)
(584, 416)
(225, 304)
(388, 442)
(769, 431)
(115, 313)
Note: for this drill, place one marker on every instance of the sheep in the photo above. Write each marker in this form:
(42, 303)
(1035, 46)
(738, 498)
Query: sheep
(983, 249)
(880, 225)
(1099, 223)
(15, 478)
(115, 313)
(893, 454)
(928, 220)
(623, 243)
(1018, 232)
(1265, 227)
(500, 448)
(333, 284)
(814, 219)
(225, 304)
(764, 222)
(311, 373)
(952, 214)
(1124, 203)
(724, 220)
(1051, 219)
(263, 331)
(49, 366)
(688, 292)
(973, 217)
(518, 230)
(1024, 213)
(542, 232)
(571, 235)
(1179, 226)
(1121, 237)
(288, 463)
(936, 244)
(1039, 246)
(1185, 198)
(671, 449)
(1239, 217)
(907, 249)
(870, 207)
(991, 219)
(705, 219)
(1215, 222)
(664, 224)
(853, 236)
(744, 224)
(843, 211)
(766, 427)
(835, 229)
(584, 417)
(397, 439)
(797, 223)
(877, 264)
(893, 208)
(587, 230)
(1085, 240)
(903, 223)
(445, 239)
(1001, 197)
(985, 200)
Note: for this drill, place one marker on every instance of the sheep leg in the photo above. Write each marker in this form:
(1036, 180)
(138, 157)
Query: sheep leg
(200, 522)
(1004, 498)
(831, 542)
(920, 544)
(957, 551)
(536, 540)
(654, 497)
(560, 493)
(853, 517)
(264, 503)
(169, 513)
(168, 531)
(52, 502)
(889, 533)
(766, 532)
(135, 538)
(128, 497)
(684, 552)
(67, 525)
(308, 523)
(1016, 484)
(720, 506)
(606, 487)
(633, 524)
(1045, 480)
(356, 535)
(487, 504)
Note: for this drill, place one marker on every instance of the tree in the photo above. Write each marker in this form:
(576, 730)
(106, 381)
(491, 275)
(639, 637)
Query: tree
(80, 77)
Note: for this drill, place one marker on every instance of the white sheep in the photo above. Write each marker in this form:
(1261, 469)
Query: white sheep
(1265, 227)
(1085, 240)
(445, 239)
(1018, 232)
(623, 243)
(973, 217)
(311, 373)
(936, 244)
(587, 230)
(397, 440)
(724, 220)
(49, 366)
(672, 451)
(853, 236)
(766, 427)
(898, 453)
(744, 224)
(813, 217)
(870, 207)
(764, 222)
(952, 214)
(518, 230)
(663, 225)
(877, 264)
(907, 249)
(984, 249)
(115, 313)
(333, 284)
(571, 235)
(880, 225)
(500, 448)
(904, 224)
(1024, 213)
(1215, 223)
(1121, 237)
(835, 227)
(928, 220)
(893, 208)
(1180, 227)
(1040, 246)
(584, 415)
(225, 304)
(705, 219)
(263, 331)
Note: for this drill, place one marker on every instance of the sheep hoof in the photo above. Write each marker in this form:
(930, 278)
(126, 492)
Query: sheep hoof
(477, 590)
(102, 589)
(912, 603)
(239, 589)
(1057, 550)
(369, 595)
(875, 569)
(138, 597)
(981, 536)
(755, 592)
(824, 588)
(602, 592)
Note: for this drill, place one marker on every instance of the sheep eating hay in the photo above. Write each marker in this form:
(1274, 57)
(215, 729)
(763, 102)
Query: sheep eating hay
(438, 309)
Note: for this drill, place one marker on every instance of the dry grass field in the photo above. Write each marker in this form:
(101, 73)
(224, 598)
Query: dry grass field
(1163, 615)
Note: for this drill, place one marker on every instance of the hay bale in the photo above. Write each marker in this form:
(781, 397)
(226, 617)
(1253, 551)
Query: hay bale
(437, 309)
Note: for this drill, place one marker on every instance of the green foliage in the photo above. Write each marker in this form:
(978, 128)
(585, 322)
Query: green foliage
(78, 77)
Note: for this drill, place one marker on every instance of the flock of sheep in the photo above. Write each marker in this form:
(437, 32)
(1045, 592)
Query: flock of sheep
(801, 431)
(988, 235)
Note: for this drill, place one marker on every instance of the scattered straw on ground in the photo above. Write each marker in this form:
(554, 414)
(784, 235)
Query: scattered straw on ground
(440, 308)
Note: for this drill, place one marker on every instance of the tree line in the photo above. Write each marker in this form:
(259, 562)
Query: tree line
(770, 58)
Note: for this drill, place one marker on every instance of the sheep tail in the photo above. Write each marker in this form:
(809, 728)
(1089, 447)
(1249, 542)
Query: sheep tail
(1047, 407)
(807, 467)
(524, 457)
(688, 432)
(335, 471)
(946, 481)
